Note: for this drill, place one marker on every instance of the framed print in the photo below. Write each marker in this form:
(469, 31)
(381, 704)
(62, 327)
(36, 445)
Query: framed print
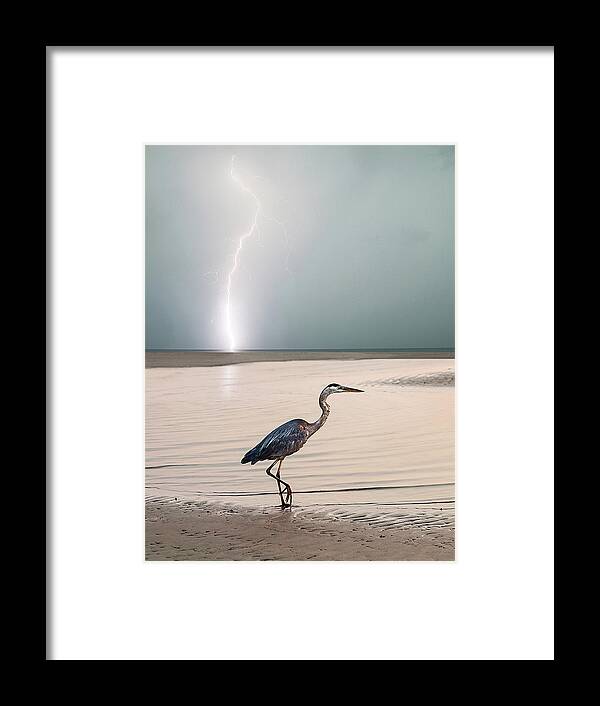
(301, 352)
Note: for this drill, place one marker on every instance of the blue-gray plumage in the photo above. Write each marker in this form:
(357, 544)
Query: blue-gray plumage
(289, 438)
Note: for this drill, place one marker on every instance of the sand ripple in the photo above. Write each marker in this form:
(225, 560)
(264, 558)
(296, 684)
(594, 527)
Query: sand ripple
(444, 378)
(196, 529)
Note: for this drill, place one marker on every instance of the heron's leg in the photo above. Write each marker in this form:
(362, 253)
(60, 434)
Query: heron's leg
(288, 489)
(279, 482)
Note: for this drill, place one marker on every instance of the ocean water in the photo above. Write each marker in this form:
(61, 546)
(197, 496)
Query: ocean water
(385, 456)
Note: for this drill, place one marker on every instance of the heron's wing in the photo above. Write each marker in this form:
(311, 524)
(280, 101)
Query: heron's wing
(283, 441)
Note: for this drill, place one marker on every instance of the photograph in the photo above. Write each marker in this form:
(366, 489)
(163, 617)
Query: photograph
(299, 352)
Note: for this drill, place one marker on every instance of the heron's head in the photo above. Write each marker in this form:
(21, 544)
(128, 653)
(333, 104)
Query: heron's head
(334, 387)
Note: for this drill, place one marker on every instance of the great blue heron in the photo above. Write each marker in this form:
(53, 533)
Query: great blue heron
(289, 438)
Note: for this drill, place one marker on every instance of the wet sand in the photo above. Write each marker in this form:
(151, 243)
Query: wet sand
(189, 530)
(192, 359)
(381, 468)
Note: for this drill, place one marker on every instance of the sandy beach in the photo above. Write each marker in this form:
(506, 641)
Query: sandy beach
(375, 483)
(178, 530)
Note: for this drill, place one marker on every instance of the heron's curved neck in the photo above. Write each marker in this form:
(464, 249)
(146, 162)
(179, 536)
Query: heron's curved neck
(315, 426)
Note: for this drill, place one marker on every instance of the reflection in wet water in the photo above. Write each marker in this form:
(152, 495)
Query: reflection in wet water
(226, 379)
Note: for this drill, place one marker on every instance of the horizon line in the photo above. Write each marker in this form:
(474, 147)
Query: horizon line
(271, 350)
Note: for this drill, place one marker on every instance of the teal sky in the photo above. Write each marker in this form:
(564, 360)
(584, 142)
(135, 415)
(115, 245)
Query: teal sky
(354, 246)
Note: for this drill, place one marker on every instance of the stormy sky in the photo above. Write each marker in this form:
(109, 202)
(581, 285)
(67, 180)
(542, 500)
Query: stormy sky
(354, 247)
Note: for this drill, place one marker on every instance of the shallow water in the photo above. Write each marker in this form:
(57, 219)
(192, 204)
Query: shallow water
(385, 456)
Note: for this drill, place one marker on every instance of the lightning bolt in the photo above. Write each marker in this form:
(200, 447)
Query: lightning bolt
(252, 230)
(228, 318)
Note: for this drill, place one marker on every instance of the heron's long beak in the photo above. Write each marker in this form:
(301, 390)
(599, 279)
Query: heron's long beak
(352, 389)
